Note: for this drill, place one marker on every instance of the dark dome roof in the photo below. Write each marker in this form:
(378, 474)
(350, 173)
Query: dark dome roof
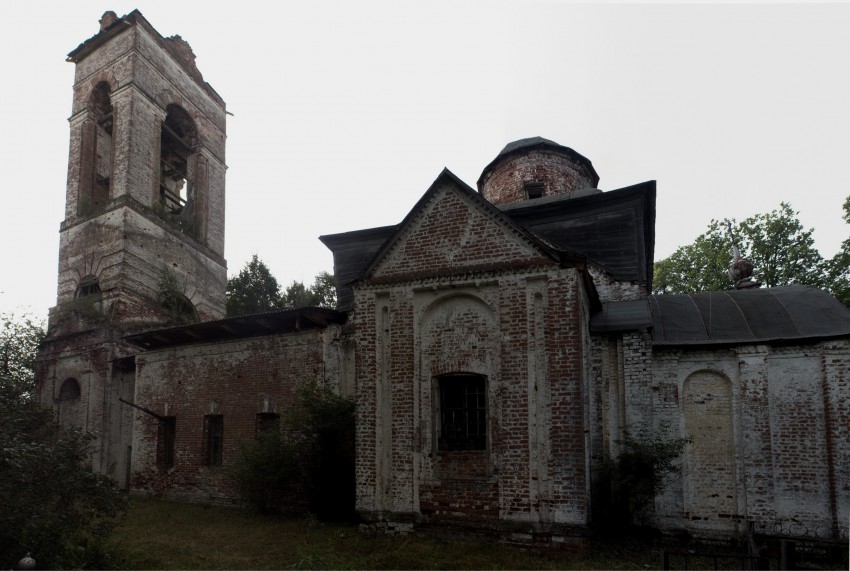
(529, 142)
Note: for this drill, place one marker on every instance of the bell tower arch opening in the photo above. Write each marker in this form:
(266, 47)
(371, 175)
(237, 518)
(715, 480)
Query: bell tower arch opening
(96, 152)
(177, 168)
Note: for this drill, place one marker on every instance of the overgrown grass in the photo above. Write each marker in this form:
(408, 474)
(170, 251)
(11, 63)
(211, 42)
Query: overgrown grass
(166, 535)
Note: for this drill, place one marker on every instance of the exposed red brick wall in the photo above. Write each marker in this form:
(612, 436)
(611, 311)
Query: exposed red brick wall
(240, 376)
(559, 173)
(518, 325)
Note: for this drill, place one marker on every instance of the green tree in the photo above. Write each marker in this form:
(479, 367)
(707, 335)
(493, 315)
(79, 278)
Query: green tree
(781, 250)
(324, 290)
(253, 290)
(297, 295)
(19, 340)
(839, 266)
(701, 266)
(321, 294)
(51, 504)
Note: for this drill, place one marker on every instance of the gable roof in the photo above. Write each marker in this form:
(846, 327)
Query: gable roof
(614, 229)
(447, 178)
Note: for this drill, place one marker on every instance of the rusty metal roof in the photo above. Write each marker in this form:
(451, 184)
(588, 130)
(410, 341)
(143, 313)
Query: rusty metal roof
(241, 327)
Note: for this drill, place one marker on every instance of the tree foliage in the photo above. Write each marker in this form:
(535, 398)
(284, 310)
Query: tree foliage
(255, 290)
(321, 294)
(780, 248)
(19, 339)
(838, 270)
(310, 465)
(51, 504)
(701, 266)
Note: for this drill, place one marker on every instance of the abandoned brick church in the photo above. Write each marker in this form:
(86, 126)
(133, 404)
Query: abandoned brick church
(497, 342)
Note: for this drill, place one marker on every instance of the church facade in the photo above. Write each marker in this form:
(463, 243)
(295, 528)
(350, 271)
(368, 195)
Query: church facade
(498, 342)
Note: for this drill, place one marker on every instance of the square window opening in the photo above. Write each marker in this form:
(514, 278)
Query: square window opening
(462, 422)
(533, 190)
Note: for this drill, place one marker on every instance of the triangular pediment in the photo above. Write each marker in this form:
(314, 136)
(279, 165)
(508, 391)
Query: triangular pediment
(452, 229)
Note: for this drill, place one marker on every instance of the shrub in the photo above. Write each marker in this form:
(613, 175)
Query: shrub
(628, 484)
(51, 503)
(310, 465)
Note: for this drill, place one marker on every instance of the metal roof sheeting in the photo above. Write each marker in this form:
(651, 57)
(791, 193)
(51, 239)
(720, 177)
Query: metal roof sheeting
(759, 315)
(240, 327)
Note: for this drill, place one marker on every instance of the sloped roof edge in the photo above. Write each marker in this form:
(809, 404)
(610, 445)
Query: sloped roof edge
(239, 327)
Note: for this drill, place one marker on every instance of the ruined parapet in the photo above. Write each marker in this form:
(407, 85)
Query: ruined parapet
(536, 168)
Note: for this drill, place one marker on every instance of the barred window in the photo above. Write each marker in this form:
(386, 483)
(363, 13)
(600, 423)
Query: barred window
(213, 439)
(165, 442)
(463, 413)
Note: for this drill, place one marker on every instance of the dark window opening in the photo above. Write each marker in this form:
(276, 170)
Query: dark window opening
(89, 286)
(463, 413)
(96, 152)
(267, 422)
(177, 140)
(165, 437)
(533, 190)
(213, 439)
(70, 390)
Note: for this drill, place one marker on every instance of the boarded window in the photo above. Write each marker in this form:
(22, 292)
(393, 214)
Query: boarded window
(463, 413)
(267, 422)
(213, 439)
(165, 442)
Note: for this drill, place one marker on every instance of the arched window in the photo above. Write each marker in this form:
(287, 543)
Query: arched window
(178, 140)
(70, 389)
(88, 286)
(96, 152)
(707, 408)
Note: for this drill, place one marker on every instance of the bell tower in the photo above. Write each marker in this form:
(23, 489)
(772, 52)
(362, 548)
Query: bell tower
(142, 242)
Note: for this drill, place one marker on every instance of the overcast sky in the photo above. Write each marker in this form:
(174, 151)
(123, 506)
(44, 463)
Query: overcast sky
(345, 112)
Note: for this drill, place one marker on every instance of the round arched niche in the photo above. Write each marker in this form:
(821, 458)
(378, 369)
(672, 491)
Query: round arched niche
(69, 390)
(712, 482)
(458, 333)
